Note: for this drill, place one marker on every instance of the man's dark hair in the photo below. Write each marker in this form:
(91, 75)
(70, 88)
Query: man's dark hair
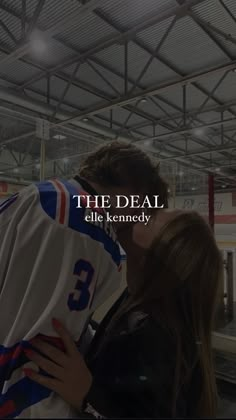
(119, 164)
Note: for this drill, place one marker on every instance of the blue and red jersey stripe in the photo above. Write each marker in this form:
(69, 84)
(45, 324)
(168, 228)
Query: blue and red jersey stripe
(25, 392)
(55, 191)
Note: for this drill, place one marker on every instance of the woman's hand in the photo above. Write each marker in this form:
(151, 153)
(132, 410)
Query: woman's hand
(71, 377)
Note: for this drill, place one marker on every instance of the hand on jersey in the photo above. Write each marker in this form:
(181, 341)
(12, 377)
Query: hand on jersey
(70, 377)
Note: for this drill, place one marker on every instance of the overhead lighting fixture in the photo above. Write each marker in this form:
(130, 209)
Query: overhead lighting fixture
(223, 186)
(193, 188)
(143, 100)
(59, 137)
(85, 119)
(217, 169)
(38, 44)
(199, 131)
(147, 143)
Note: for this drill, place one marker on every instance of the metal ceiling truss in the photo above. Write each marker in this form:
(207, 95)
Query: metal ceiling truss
(130, 99)
(81, 85)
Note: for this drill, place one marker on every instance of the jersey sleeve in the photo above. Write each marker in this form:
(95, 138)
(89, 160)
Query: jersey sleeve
(13, 208)
(53, 262)
(53, 265)
(12, 212)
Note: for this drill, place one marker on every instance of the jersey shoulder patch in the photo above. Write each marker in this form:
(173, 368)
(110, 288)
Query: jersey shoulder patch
(56, 199)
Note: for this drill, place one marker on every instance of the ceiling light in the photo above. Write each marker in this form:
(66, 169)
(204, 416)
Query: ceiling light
(217, 169)
(147, 143)
(193, 188)
(16, 170)
(223, 186)
(85, 119)
(143, 100)
(59, 137)
(37, 166)
(199, 131)
(38, 44)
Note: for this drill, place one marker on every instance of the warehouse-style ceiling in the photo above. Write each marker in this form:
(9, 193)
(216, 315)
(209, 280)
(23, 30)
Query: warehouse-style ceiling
(159, 73)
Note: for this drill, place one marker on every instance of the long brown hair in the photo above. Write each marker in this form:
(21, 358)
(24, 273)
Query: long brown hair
(182, 273)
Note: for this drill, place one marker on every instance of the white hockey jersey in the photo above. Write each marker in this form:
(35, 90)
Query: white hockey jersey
(53, 264)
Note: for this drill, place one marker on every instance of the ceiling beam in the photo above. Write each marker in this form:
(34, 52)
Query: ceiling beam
(63, 76)
(94, 90)
(24, 47)
(155, 90)
(159, 57)
(37, 11)
(143, 23)
(189, 113)
(204, 152)
(192, 130)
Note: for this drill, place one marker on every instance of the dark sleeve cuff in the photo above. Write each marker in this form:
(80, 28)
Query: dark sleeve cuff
(90, 412)
(90, 409)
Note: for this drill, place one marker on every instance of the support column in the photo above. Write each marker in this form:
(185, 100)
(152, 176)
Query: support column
(211, 199)
(174, 191)
(42, 160)
(185, 104)
(42, 133)
(230, 287)
(126, 70)
(220, 318)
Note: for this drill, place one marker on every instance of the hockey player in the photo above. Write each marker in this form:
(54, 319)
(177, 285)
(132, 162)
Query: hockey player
(55, 264)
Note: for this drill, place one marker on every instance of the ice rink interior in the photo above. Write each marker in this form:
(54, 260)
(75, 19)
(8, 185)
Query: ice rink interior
(159, 73)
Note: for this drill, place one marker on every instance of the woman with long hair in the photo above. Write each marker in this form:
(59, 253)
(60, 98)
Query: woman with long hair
(152, 354)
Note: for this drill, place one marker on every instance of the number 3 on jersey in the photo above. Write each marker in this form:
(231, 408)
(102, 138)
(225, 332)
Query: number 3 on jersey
(79, 299)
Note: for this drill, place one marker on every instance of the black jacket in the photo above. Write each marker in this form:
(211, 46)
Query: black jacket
(133, 369)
